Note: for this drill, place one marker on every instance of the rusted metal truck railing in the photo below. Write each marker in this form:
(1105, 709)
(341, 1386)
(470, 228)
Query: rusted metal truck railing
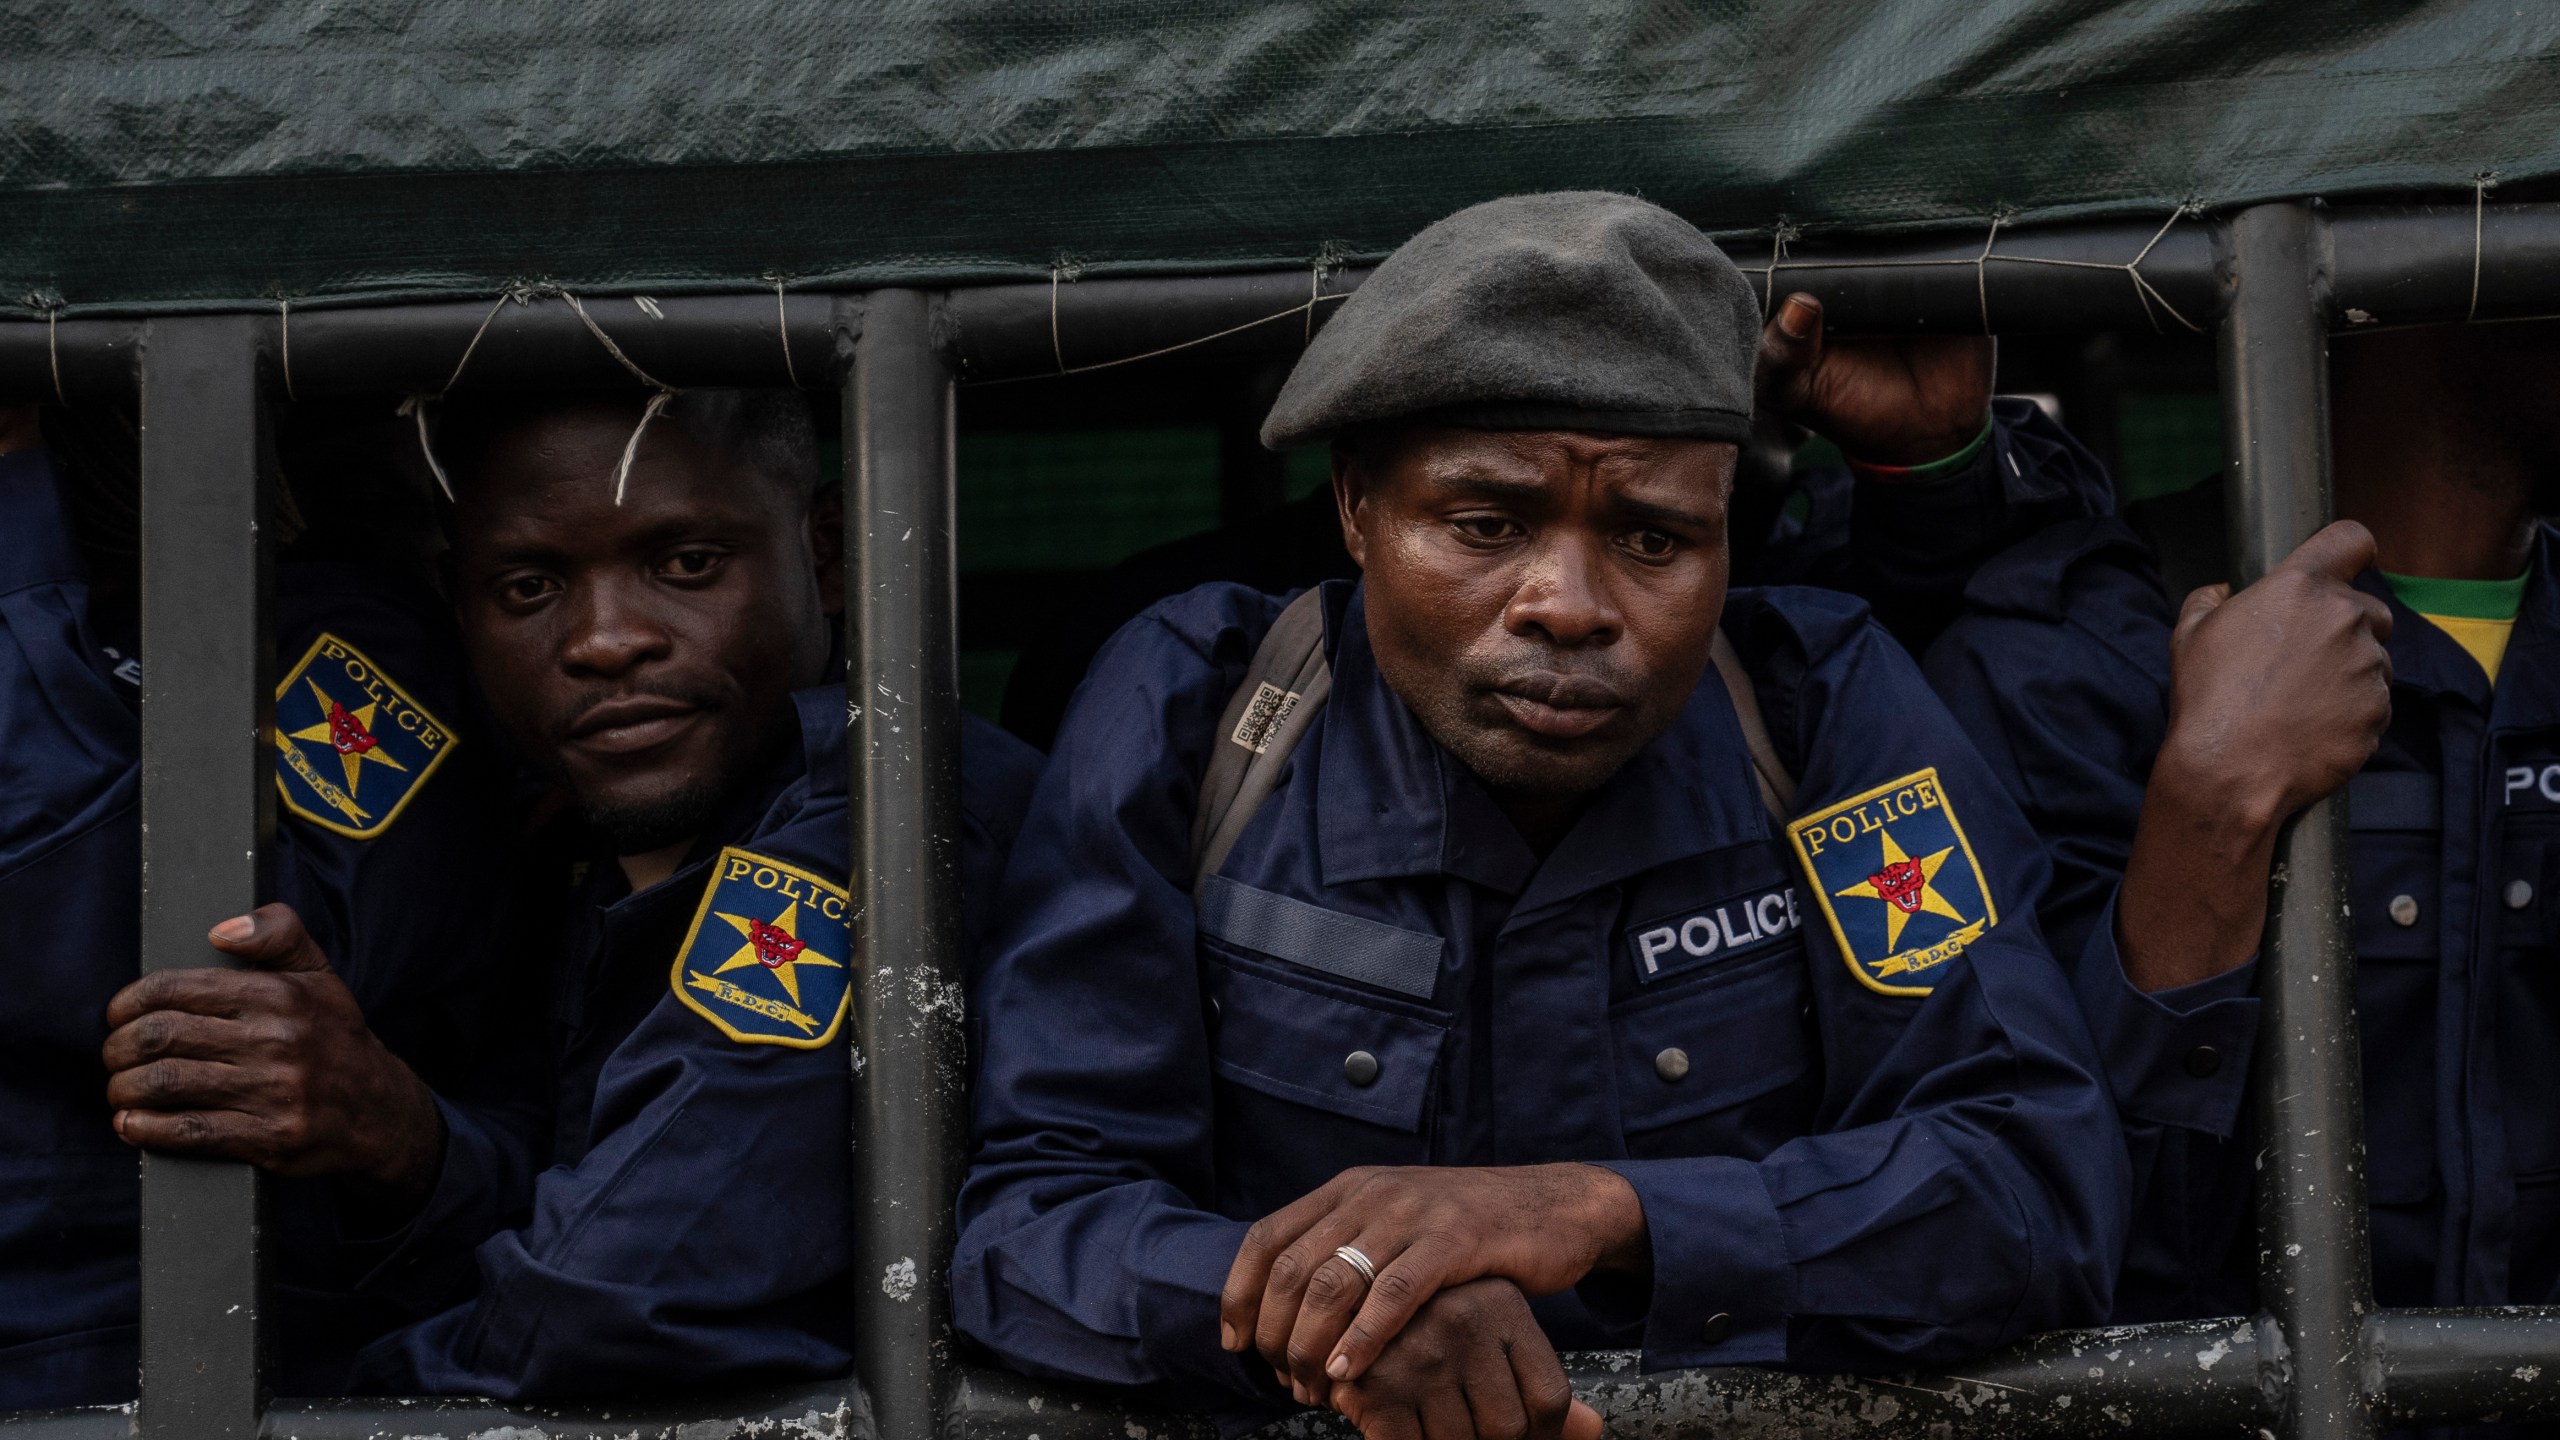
(2272, 281)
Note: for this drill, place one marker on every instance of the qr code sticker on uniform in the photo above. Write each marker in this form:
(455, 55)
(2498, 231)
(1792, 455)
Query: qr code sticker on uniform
(1270, 706)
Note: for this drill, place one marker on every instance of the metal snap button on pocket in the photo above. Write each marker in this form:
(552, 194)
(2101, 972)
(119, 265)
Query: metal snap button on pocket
(1360, 1068)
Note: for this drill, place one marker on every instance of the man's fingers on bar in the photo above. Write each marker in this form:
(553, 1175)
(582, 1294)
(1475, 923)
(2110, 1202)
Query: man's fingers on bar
(1405, 1282)
(2200, 602)
(171, 1034)
(2341, 550)
(204, 990)
(173, 1085)
(1394, 1420)
(1240, 1303)
(1445, 1414)
(1790, 344)
(1337, 1293)
(1544, 1391)
(1581, 1422)
(270, 937)
(1500, 1408)
(187, 1132)
(1308, 1261)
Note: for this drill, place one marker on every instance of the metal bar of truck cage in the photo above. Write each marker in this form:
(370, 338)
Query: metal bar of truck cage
(910, 1073)
(2394, 265)
(2314, 1272)
(208, 811)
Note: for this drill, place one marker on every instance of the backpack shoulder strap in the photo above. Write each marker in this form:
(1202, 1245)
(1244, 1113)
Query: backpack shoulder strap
(1777, 786)
(1286, 684)
(1283, 688)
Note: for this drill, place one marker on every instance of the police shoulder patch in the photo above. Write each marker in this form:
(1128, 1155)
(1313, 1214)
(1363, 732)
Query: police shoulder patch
(1897, 880)
(352, 749)
(768, 959)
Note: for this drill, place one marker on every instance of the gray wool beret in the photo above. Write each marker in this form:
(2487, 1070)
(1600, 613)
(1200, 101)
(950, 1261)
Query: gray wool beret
(1576, 310)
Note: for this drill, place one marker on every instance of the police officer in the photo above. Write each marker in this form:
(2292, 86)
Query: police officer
(2408, 646)
(665, 656)
(1512, 1019)
(374, 719)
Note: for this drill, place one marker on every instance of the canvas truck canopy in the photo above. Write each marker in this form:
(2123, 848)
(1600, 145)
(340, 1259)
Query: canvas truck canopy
(174, 154)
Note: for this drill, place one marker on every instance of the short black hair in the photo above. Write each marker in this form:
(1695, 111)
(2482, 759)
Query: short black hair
(768, 432)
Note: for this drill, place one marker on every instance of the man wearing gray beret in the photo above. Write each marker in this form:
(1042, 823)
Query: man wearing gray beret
(1407, 981)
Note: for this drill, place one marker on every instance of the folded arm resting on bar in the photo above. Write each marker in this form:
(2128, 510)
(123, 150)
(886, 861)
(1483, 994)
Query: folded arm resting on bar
(1831, 1174)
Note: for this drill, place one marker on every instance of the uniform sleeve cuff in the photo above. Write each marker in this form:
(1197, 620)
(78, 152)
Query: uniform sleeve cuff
(458, 1215)
(1721, 1276)
(2179, 1057)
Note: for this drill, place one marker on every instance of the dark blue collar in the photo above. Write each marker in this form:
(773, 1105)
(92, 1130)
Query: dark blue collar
(1392, 802)
(2426, 660)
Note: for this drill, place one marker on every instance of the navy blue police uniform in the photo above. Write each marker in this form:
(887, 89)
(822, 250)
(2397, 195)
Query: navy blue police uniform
(2058, 666)
(2040, 621)
(1833, 1056)
(2454, 824)
(384, 846)
(2456, 863)
(696, 1227)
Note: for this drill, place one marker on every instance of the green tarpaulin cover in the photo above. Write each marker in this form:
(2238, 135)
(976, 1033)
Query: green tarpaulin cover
(164, 153)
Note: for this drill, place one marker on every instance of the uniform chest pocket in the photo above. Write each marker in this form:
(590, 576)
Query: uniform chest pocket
(2520, 898)
(2522, 889)
(2397, 850)
(1368, 1058)
(1730, 1051)
(2398, 843)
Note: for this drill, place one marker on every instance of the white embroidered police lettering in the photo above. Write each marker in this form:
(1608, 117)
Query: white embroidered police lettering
(1760, 910)
(2546, 781)
(1750, 932)
(1653, 942)
(1709, 931)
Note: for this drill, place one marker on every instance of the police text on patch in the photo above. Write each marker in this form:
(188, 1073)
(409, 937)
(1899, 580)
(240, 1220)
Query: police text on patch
(1896, 880)
(1728, 928)
(352, 747)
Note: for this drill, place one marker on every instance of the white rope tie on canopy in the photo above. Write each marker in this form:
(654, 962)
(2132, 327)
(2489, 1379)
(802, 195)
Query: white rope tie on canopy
(662, 394)
(2143, 290)
(2481, 185)
(1057, 351)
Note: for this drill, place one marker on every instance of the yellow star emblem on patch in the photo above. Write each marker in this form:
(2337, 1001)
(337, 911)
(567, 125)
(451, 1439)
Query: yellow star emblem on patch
(776, 946)
(1907, 888)
(347, 733)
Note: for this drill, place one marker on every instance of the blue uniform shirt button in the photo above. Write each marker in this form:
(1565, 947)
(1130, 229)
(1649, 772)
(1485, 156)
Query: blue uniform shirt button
(2404, 910)
(1672, 1065)
(1360, 1068)
(2519, 894)
(1719, 1328)
(2204, 1062)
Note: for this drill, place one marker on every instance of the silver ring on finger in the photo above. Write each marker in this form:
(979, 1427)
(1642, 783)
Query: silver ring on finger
(1350, 1255)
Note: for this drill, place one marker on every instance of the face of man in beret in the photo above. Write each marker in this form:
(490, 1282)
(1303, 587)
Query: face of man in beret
(1543, 600)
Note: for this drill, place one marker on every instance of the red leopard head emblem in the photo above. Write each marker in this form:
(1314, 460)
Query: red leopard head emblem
(347, 734)
(775, 948)
(1902, 882)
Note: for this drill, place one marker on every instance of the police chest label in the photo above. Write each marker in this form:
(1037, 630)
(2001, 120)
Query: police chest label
(352, 748)
(1686, 940)
(769, 958)
(1896, 881)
